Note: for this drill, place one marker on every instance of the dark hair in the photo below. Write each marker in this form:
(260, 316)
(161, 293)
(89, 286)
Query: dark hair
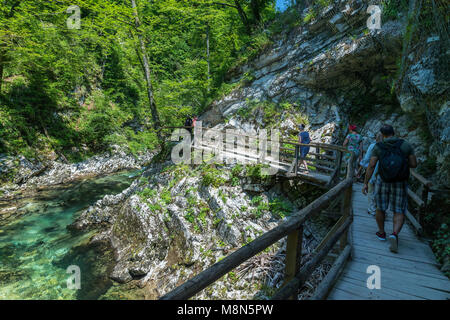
(301, 126)
(387, 130)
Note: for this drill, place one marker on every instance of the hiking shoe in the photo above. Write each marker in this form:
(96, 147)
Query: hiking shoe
(393, 241)
(381, 236)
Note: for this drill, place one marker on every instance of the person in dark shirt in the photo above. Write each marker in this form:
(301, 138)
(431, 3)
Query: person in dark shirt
(303, 137)
(188, 123)
(393, 193)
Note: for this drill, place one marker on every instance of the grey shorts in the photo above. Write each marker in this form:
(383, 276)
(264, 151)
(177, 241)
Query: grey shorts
(394, 194)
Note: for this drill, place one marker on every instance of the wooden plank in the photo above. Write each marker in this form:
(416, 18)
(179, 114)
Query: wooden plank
(330, 233)
(338, 294)
(415, 197)
(324, 287)
(359, 287)
(398, 285)
(406, 249)
(411, 243)
(420, 178)
(371, 227)
(417, 269)
(414, 222)
(423, 280)
(393, 262)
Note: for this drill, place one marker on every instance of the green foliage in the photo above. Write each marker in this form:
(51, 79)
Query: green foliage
(286, 20)
(189, 216)
(280, 208)
(261, 206)
(441, 243)
(256, 172)
(166, 196)
(237, 170)
(311, 15)
(146, 194)
(212, 176)
(78, 91)
(235, 181)
(391, 8)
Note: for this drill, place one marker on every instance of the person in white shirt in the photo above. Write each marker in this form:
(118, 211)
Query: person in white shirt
(365, 163)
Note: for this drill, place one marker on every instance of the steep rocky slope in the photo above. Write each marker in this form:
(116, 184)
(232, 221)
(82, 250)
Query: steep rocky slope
(335, 71)
(175, 221)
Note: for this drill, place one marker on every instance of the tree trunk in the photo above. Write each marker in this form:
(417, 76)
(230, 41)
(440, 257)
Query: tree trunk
(1, 74)
(255, 10)
(2, 66)
(147, 73)
(243, 16)
(207, 53)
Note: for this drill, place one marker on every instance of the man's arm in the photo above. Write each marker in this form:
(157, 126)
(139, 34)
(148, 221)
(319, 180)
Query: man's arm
(369, 173)
(345, 142)
(360, 150)
(370, 169)
(412, 161)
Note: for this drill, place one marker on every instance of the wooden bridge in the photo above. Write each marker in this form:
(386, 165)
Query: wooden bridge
(412, 273)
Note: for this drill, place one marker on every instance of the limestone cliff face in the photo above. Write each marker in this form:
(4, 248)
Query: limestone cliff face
(335, 71)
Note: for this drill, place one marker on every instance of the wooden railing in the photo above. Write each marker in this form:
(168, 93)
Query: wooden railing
(421, 200)
(326, 159)
(293, 230)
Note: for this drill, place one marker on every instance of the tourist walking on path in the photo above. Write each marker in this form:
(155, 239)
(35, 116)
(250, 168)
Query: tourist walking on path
(394, 157)
(188, 123)
(303, 137)
(372, 207)
(353, 142)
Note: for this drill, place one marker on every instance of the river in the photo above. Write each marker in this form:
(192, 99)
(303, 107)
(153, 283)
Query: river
(36, 247)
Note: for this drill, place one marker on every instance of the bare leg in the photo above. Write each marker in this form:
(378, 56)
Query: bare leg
(399, 220)
(380, 216)
(306, 165)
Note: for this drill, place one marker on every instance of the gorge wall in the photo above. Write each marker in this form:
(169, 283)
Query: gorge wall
(334, 70)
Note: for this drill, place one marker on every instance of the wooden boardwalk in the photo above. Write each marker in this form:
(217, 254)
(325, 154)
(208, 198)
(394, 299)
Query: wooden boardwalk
(285, 169)
(410, 274)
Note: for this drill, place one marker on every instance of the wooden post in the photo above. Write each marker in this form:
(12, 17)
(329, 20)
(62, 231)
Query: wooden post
(339, 162)
(425, 203)
(346, 212)
(347, 203)
(293, 255)
(296, 159)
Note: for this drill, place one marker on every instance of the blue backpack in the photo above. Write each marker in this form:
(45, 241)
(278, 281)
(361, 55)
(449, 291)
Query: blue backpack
(393, 164)
(305, 137)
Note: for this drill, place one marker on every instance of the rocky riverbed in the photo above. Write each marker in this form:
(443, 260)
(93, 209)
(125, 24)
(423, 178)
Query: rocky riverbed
(20, 176)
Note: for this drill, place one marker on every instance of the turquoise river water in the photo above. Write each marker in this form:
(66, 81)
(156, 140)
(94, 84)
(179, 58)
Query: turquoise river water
(36, 247)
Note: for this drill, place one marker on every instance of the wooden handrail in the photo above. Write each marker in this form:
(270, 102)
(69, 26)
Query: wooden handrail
(291, 288)
(291, 142)
(420, 200)
(421, 179)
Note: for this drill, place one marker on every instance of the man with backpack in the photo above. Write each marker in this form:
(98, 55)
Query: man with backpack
(394, 157)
